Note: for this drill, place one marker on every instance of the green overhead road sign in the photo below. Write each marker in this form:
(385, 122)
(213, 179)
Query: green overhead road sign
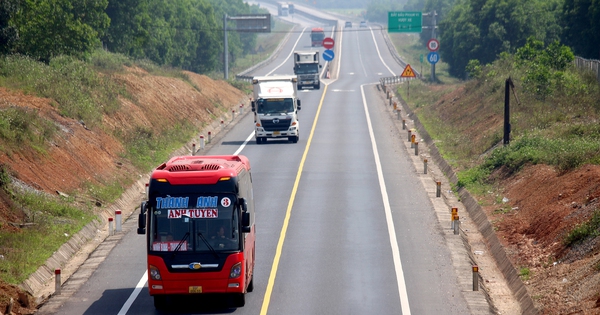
(405, 22)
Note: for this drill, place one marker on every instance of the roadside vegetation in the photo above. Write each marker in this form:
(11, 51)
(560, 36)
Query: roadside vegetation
(554, 112)
(83, 90)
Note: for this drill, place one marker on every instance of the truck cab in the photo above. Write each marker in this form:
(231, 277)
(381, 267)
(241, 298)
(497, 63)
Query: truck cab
(307, 67)
(275, 106)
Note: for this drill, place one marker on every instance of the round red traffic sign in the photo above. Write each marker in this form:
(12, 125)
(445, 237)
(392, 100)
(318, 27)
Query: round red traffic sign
(433, 44)
(328, 42)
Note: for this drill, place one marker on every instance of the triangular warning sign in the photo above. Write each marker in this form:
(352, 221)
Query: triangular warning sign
(408, 72)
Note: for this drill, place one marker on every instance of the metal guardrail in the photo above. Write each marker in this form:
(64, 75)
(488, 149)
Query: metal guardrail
(591, 64)
(394, 80)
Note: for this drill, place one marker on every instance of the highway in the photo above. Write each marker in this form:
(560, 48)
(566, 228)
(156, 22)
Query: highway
(344, 224)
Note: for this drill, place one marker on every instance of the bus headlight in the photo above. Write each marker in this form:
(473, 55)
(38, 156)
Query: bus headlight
(154, 273)
(236, 271)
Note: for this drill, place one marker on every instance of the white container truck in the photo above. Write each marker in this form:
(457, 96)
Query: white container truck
(306, 67)
(275, 106)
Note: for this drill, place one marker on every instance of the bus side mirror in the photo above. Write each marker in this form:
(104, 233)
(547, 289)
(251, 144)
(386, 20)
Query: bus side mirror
(253, 103)
(243, 204)
(142, 219)
(245, 222)
(299, 106)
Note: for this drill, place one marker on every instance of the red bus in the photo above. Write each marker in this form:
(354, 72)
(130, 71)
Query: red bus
(317, 36)
(199, 226)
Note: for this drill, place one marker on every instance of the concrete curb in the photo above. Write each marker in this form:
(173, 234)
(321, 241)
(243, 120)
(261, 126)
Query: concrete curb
(479, 218)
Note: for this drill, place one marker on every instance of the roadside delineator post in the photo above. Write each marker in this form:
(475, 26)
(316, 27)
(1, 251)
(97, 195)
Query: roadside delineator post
(416, 148)
(409, 135)
(118, 220)
(232, 114)
(413, 139)
(475, 278)
(57, 281)
(438, 191)
(241, 109)
(193, 149)
(398, 114)
(209, 136)
(110, 226)
(453, 215)
(222, 124)
(424, 166)
(403, 124)
(201, 142)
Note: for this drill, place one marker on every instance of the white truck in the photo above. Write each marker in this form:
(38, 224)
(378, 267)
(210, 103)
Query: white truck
(275, 105)
(306, 67)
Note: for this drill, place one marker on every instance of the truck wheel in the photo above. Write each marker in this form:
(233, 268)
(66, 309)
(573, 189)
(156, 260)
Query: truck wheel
(293, 139)
(318, 86)
(260, 140)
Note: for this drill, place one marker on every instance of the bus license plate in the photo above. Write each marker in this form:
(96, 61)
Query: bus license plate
(195, 289)
(276, 133)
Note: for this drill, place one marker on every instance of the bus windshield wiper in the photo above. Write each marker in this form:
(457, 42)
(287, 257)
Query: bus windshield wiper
(212, 250)
(178, 247)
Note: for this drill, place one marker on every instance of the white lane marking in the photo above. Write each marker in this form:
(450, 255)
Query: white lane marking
(141, 284)
(388, 215)
(290, 55)
(379, 53)
(244, 144)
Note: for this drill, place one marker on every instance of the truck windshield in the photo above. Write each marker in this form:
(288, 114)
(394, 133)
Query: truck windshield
(275, 106)
(194, 223)
(307, 68)
(317, 36)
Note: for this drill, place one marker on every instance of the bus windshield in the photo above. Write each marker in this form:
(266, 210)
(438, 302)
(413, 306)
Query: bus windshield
(194, 223)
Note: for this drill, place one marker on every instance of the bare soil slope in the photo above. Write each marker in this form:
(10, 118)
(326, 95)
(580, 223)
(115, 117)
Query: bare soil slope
(540, 207)
(80, 154)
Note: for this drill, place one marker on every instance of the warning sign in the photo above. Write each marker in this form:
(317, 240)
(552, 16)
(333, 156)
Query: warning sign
(408, 72)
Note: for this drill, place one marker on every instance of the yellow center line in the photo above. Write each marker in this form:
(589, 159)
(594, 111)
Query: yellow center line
(288, 213)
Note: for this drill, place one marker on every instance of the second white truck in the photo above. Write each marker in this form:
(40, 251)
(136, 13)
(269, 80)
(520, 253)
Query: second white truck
(275, 106)
(306, 67)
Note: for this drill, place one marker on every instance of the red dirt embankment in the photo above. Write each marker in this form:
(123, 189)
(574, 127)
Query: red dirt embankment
(80, 154)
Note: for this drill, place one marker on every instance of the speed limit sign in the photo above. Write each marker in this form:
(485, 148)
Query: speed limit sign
(433, 44)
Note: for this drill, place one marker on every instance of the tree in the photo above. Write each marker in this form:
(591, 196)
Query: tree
(581, 20)
(483, 29)
(50, 28)
(128, 32)
(8, 32)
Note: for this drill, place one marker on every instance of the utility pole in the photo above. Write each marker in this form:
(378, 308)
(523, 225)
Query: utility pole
(433, 15)
(226, 53)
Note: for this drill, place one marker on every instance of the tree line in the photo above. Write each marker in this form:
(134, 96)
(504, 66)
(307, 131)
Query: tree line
(186, 34)
(483, 29)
